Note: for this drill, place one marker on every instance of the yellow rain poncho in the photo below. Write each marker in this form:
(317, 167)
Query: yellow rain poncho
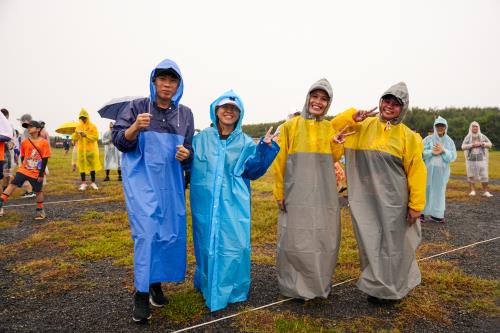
(385, 176)
(309, 229)
(88, 150)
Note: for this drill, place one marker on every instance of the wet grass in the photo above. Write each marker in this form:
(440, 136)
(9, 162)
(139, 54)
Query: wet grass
(458, 167)
(53, 256)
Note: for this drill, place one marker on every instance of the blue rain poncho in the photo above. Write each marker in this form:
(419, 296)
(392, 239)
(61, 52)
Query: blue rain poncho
(154, 185)
(220, 207)
(438, 170)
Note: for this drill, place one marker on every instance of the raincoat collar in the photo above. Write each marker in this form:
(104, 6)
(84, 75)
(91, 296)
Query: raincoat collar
(400, 91)
(233, 96)
(324, 85)
(167, 64)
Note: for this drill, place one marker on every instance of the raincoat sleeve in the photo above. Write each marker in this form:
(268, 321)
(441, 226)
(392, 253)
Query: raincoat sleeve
(449, 152)
(92, 134)
(106, 138)
(258, 163)
(486, 141)
(416, 172)
(279, 165)
(427, 154)
(467, 144)
(188, 143)
(345, 119)
(124, 120)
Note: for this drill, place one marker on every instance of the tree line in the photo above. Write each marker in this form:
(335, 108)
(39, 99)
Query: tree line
(422, 120)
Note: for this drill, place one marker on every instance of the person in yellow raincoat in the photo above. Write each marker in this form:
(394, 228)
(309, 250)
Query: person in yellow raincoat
(306, 193)
(386, 180)
(86, 137)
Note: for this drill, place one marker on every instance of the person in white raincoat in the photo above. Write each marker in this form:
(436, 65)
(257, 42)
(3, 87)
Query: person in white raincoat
(475, 147)
(112, 156)
(439, 152)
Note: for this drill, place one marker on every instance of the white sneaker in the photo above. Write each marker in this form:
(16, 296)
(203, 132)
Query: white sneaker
(94, 186)
(487, 194)
(472, 193)
(1, 211)
(83, 187)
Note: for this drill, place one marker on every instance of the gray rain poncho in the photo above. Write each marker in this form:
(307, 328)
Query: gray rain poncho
(304, 177)
(385, 176)
(476, 158)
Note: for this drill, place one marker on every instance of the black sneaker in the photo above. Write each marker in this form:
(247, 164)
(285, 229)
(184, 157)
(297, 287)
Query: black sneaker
(436, 219)
(156, 297)
(28, 195)
(119, 178)
(141, 312)
(106, 179)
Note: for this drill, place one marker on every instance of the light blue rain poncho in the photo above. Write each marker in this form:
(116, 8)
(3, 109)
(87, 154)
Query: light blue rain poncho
(220, 207)
(438, 170)
(153, 181)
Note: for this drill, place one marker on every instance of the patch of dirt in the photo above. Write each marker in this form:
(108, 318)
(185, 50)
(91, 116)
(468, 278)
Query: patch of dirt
(106, 304)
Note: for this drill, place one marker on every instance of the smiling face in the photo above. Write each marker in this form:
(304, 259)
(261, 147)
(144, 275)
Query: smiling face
(318, 101)
(441, 129)
(228, 115)
(390, 107)
(166, 87)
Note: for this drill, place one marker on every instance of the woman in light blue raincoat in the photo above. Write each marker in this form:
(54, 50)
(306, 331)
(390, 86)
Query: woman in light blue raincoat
(225, 160)
(439, 152)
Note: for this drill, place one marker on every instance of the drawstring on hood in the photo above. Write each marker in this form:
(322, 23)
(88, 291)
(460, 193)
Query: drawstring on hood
(400, 91)
(321, 84)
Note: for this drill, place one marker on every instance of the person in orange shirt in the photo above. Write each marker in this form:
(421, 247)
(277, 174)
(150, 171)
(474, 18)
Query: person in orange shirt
(35, 153)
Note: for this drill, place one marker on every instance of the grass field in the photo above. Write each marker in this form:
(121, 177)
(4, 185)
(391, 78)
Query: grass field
(66, 246)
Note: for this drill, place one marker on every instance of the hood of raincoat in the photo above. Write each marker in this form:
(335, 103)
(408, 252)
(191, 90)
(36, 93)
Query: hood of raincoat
(84, 113)
(478, 128)
(435, 135)
(167, 64)
(234, 97)
(400, 91)
(324, 85)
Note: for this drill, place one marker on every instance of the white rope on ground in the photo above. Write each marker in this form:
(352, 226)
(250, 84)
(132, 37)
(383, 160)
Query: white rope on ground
(57, 202)
(333, 285)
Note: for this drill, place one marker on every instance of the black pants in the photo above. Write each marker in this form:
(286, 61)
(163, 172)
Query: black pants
(92, 176)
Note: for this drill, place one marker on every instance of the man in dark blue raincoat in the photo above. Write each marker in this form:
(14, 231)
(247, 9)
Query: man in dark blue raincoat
(155, 136)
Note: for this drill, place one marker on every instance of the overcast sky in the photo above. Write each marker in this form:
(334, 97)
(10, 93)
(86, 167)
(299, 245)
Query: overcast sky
(59, 56)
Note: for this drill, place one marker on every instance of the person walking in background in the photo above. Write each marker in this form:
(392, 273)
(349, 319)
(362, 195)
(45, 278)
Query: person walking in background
(386, 183)
(225, 160)
(35, 153)
(439, 152)
(305, 190)
(8, 153)
(475, 147)
(86, 137)
(112, 156)
(155, 136)
(25, 119)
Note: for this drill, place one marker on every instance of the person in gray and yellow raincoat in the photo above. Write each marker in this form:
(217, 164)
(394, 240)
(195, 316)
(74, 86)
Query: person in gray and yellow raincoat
(386, 179)
(306, 193)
